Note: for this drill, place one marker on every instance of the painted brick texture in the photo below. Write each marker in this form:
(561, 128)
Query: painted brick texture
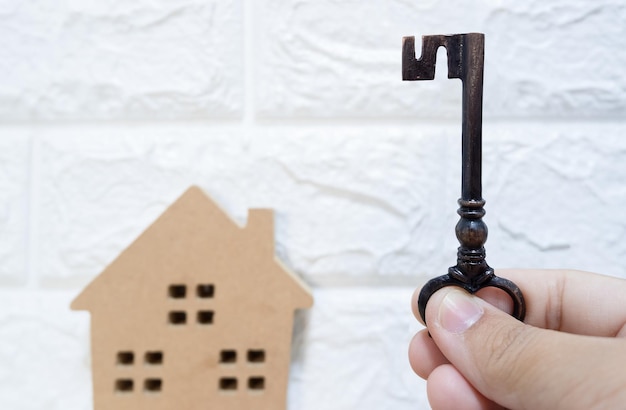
(110, 110)
(544, 59)
(116, 59)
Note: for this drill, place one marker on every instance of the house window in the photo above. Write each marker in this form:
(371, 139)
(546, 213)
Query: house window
(205, 291)
(205, 317)
(177, 291)
(155, 357)
(256, 383)
(228, 356)
(228, 383)
(124, 385)
(256, 356)
(177, 317)
(152, 385)
(125, 358)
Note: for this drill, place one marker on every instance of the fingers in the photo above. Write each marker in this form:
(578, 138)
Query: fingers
(570, 301)
(424, 355)
(414, 298)
(519, 366)
(448, 389)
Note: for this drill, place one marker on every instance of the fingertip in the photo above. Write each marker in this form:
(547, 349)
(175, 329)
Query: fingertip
(446, 388)
(414, 307)
(424, 355)
(453, 309)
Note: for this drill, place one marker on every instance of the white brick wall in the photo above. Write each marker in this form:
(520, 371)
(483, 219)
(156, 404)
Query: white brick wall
(109, 110)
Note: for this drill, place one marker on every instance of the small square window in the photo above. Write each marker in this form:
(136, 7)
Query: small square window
(256, 383)
(124, 385)
(228, 383)
(228, 356)
(205, 291)
(178, 317)
(256, 356)
(177, 291)
(205, 317)
(125, 358)
(152, 385)
(154, 357)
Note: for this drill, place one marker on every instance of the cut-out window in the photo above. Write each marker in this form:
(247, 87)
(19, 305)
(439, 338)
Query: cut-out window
(256, 383)
(154, 357)
(228, 383)
(177, 291)
(256, 356)
(126, 358)
(205, 317)
(228, 356)
(124, 385)
(178, 317)
(152, 385)
(205, 290)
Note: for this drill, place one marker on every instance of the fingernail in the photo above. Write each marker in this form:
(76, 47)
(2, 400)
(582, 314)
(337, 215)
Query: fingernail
(458, 311)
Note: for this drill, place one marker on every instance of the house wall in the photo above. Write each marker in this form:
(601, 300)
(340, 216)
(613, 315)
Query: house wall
(110, 110)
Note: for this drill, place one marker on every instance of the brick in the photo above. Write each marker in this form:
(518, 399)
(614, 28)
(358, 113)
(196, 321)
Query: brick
(556, 59)
(555, 194)
(326, 59)
(120, 60)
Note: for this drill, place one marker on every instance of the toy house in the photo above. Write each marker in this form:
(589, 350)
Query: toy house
(197, 313)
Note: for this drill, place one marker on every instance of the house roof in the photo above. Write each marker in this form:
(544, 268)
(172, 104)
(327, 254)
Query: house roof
(194, 218)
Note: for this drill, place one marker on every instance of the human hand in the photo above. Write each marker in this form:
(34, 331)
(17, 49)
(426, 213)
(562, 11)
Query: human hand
(569, 354)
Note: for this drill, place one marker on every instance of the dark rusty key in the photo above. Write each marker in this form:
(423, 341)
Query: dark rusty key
(466, 54)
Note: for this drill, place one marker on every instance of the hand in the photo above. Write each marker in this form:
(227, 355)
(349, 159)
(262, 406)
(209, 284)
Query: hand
(569, 354)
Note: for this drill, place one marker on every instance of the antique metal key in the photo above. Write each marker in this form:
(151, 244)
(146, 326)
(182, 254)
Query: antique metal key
(465, 61)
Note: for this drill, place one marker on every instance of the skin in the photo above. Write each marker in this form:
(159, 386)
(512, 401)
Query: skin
(570, 352)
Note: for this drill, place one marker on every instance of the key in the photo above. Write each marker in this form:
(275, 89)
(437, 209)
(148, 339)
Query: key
(466, 54)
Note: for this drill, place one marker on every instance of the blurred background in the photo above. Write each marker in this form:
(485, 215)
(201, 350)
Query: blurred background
(109, 110)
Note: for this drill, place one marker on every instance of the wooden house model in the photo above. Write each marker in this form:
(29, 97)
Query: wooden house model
(197, 313)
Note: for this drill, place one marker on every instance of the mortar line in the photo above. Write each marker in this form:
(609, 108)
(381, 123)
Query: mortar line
(312, 122)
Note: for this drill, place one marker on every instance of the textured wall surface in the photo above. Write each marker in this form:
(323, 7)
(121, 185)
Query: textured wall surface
(109, 110)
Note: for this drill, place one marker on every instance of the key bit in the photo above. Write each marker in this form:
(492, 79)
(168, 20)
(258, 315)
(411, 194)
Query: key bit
(465, 61)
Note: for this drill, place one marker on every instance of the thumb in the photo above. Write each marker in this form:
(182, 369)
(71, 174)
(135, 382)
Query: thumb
(520, 366)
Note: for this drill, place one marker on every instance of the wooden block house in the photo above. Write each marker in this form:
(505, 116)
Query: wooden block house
(197, 313)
